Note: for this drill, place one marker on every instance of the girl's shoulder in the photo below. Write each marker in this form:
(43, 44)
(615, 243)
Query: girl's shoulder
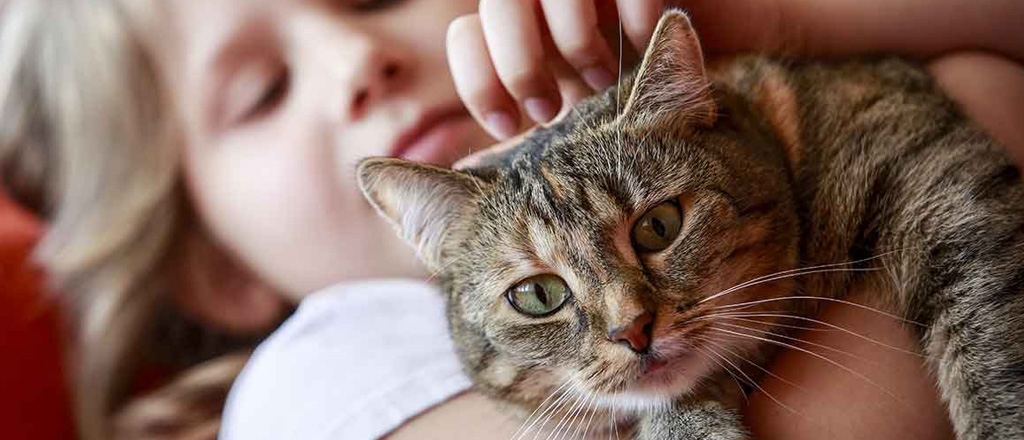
(355, 361)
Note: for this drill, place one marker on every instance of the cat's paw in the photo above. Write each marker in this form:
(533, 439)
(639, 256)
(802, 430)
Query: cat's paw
(705, 420)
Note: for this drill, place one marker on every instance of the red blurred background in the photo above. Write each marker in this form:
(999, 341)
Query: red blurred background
(34, 402)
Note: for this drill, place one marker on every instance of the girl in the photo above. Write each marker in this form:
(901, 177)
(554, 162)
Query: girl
(195, 160)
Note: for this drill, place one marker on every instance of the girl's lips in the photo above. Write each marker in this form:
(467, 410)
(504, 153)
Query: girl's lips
(434, 138)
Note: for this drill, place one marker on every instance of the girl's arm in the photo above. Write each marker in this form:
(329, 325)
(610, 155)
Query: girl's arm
(920, 28)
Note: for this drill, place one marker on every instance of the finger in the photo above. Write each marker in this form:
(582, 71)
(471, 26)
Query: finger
(639, 18)
(514, 41)
(476, 82)
(573, 27)
(492, 154)
(572, 89)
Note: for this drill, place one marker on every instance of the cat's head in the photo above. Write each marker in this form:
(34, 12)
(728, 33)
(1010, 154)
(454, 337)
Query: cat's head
(587, 255)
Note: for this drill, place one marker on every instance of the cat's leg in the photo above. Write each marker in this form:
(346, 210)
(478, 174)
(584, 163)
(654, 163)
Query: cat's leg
(976, 345)
(693, 420)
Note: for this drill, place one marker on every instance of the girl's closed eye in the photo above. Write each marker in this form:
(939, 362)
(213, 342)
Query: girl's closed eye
(259, 87)
(372, 5)
(255, 91)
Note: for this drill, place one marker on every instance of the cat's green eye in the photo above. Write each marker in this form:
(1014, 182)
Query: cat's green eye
(658, 228)
(539, 296)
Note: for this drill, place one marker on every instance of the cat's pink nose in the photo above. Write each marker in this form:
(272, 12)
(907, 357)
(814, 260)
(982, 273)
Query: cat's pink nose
(636, 334)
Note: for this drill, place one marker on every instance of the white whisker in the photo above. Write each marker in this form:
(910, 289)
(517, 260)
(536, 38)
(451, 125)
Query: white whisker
(593, 412)
(777, 277)
(816, 321)
(800, 269)
(610, 423)
(722, 366)
(790, 338)
(615, 424)
(565, 418)
(542, 427)
(577, 417)
(723, 344)
(546, 414)
(445, 266)
(819, 356)
(795, 327)
(589, 398)
(618, 108)
(560, 388)
(818, 298)
(750, 380)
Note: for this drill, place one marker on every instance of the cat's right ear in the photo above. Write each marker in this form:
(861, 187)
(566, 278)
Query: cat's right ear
(423, 202)
(671, 85)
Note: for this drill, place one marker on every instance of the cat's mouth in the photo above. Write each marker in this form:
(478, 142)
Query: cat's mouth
(654, 365)
(675, 367)
(674, 364)
(653, 368)
(667, 377)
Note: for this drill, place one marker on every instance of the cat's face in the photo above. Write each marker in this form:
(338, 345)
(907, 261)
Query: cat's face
(590, 255)
(588, 262)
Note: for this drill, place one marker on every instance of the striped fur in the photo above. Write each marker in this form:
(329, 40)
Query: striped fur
(804, 163)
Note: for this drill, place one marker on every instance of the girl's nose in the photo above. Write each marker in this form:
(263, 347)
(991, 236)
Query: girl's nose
(375, 75)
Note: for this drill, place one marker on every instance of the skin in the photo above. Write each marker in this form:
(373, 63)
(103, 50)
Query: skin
(517, 67)
(270, 175)
(278, 101)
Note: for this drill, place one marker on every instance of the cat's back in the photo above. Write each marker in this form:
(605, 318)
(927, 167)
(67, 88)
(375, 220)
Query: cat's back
(883, 161)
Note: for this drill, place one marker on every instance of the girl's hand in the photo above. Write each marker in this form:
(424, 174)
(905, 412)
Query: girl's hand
(529, 56)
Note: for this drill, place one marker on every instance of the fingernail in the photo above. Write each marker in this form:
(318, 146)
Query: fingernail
(598, 78)
(500, 124)
(540, 109)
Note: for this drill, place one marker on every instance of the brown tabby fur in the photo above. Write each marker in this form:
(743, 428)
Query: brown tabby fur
(777, 165)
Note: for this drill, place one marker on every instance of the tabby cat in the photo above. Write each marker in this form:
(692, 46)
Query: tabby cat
(588, 271)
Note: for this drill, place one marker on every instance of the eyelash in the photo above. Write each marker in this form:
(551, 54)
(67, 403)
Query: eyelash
(272, 95)
(373, 5)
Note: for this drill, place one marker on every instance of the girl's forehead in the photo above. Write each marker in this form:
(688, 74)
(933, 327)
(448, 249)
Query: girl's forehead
(190, 39)
(194, 34)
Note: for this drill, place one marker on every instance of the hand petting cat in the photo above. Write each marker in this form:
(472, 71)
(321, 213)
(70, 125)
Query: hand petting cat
(537, 57)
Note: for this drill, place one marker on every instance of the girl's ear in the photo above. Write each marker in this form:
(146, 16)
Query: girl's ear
(671, 85)
(213, 287)
(423, 202)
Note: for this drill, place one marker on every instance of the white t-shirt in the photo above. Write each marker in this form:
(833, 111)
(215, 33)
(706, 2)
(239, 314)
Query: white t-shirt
(354, 362)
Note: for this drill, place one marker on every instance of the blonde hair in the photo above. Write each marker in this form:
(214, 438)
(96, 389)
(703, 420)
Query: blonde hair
(87, 139)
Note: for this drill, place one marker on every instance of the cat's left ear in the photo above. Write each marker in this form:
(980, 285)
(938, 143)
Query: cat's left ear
(671, 84)
(423, 202)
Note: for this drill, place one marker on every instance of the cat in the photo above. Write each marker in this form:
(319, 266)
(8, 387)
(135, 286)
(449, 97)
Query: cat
(587, 271)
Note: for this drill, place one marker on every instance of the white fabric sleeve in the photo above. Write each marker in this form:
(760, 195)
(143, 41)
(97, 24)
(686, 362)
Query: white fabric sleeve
(354, 362)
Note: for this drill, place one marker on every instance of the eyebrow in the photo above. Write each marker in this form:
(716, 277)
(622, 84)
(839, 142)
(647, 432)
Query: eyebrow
(212, 69)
